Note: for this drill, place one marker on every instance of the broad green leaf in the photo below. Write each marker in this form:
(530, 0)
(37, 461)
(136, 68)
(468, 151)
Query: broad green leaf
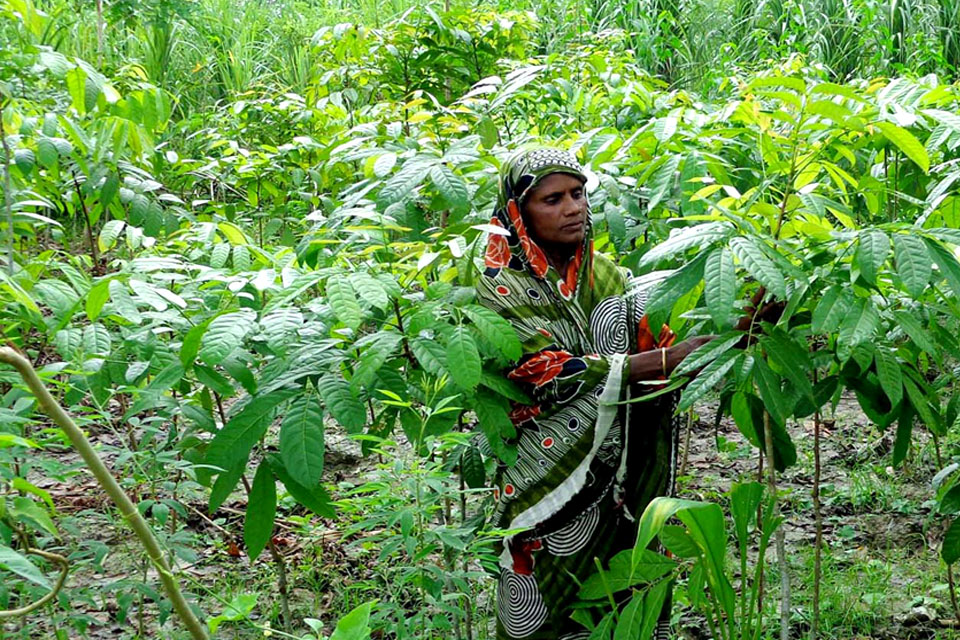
(301, 440)
(662, 180)
(354, 625)
(235, 440)
(370, 290)
(706, 353)
(384, 164)
(872, 251)
(506, 388)
(261, 510)
(757, 264)
(191, 343)
(25, 160)
(487, 129)
(946, 262)
(313, 497)
(912, 327)
(929, 415)
(376, 353)
(237, 609)
(224, 334)
(471, 467)
(888, 370)
(345, 408)
(791, 358)
(47, 153)
(720, 279)
(225, 483)
(771, 392)
(914, 265)
(907, 143)
(462, 351)
(11, 560)
(684, 239)
(626, 571)
(96, 340)
(495, 329)
(950, 548)
(451, 187)
(668, 291)
(708, 378)
(831, 310)
(343, 300)
(109, 233)
(745, 498)
(96, 298)
(109, 189)
(901, 443)
(430, 354)
(280, 328)
(950, 502)
(493, 414)
(860, 323)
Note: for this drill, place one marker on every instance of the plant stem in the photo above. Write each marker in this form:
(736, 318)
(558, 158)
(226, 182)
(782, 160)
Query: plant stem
(61, 579)
(818, 521)
(86, 218)
(7, 204)
(109, 484)
(780, 537)
(686, 443)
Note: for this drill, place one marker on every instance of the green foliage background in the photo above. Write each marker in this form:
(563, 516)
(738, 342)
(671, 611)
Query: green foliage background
(232, 225)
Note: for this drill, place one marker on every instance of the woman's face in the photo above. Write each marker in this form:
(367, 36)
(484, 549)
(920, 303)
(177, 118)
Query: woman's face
(556, 210)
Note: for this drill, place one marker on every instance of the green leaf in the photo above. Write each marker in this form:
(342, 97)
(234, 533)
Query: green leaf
(343, 300)
(354, 625)
(914, 264)
(662, 180)
(345, 408)
(708, 378)
(757, 264)
(791, 358)
(451, 188)
(860, 323)
(494, 417)
(924, 408)
(946, 263)
(370, 290)
(96, 340)
(950, 502)
(235, 440)
(462, 350)
(907, 143)
(237, 609)
(720, 278)
(430, 354)
(668, 291)
(313, 497)
(626, 571)
(706, 353)
(912, 327)
(302, 441)
(684, 239)
(378, 351)
(495, 329)
(888, 370)
(904, 431)
(47, 153)
(771, 392)
(226, 481)
(950, 549)
(224, 334)
(261, 510)
(14, 562)
(872, 251)
(96, 298)
(384, 164)
(831, 310)
(471, 467)
(109, 189)
(506, 388)
(191, 343)
(25, 160)
(109, 233)
(487, 129)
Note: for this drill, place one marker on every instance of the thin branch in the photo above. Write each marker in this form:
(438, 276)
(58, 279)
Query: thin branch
(61, 579)
(109, 484)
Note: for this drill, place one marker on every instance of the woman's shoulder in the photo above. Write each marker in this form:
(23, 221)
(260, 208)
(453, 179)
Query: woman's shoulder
(611, 279)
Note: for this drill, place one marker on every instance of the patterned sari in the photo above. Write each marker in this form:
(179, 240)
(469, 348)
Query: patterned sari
(586, 466)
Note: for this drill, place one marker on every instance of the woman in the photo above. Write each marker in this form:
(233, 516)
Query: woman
(586, 468)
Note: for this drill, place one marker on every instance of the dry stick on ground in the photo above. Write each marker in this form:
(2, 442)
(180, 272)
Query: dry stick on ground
(780, 535)
(110, 486)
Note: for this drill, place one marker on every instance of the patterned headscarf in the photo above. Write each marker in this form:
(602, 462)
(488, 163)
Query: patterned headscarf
(516, 249)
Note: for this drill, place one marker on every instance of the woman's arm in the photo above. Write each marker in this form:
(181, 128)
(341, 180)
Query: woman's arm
(660, 363)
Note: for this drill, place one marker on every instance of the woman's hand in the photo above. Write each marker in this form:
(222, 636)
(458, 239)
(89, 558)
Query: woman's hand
(678, 352)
